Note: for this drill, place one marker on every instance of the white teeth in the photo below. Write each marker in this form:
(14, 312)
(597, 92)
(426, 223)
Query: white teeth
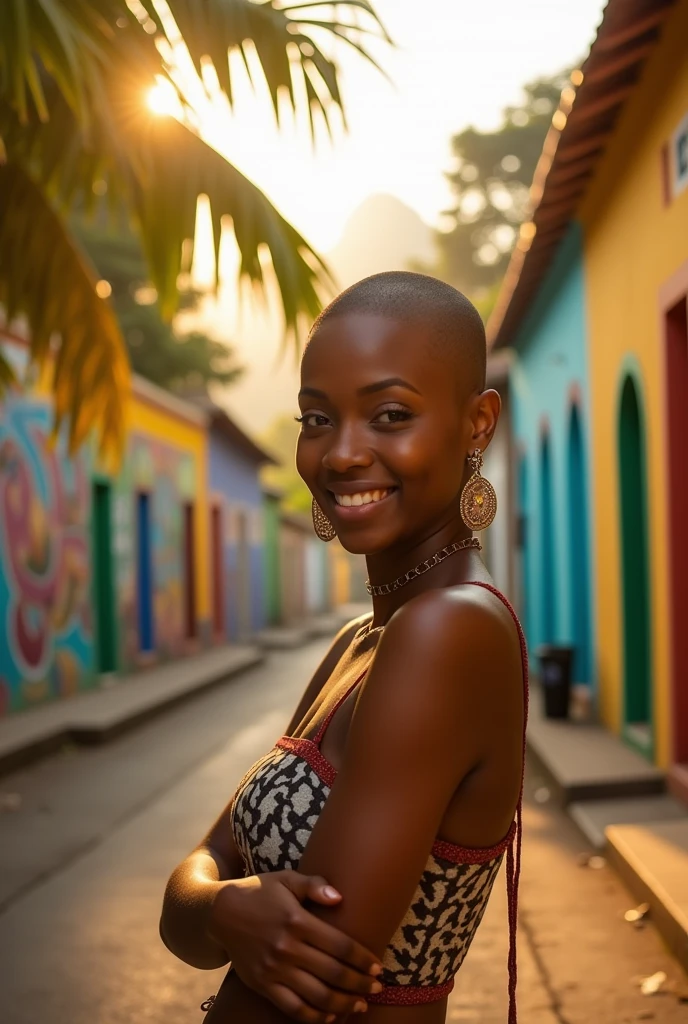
(365, 498)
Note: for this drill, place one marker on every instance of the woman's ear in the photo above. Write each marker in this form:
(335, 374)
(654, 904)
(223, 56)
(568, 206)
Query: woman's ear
(484, 416)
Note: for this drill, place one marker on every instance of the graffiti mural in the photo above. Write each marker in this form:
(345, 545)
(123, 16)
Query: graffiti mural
(167, 475)
(45, 606)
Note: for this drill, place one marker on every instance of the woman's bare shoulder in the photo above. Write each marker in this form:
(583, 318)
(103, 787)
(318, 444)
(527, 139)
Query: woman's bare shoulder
(462, 642)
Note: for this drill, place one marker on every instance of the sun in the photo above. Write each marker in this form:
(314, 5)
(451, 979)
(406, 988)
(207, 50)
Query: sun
(162, 99)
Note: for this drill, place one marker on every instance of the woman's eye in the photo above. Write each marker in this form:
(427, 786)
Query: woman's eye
(312, 419)
(393, 416)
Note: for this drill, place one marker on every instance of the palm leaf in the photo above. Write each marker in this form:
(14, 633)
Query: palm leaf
(180, 168)
(53, 285)
(73, 75)
(282, 39)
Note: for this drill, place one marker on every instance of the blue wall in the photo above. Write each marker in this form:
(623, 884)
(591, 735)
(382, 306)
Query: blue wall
(234, 476)
(551, 362)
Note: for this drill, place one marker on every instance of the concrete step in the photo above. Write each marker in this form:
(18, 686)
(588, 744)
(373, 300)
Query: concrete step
(594, 816)
(295, 634)
(282, 638)
(583, 761)
(121, 703)
(652, 860)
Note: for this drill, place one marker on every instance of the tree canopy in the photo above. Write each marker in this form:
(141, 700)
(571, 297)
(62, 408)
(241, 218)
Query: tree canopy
(490, 180)
(179, 361)
(74, 125)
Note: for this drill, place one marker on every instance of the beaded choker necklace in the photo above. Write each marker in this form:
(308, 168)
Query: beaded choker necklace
(380, 590)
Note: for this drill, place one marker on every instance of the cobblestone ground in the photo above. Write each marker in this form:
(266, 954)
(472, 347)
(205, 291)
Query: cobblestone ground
(84, 858)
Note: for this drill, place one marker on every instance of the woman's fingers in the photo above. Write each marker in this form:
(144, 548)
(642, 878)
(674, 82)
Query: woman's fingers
(333, 972)
(293, 1006)
(309, 887)
(318, 997)
(319, 891)
(330, 940)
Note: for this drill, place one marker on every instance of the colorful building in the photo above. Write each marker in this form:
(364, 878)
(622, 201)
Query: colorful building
(237, 533)
(151, 536)
(595, 306)
(102, 574)
(46, 618)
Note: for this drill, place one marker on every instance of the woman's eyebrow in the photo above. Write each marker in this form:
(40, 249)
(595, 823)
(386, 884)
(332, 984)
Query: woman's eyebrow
(390, 382)
(367, 389)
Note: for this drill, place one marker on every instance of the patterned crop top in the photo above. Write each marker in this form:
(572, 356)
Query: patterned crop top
(275, 809)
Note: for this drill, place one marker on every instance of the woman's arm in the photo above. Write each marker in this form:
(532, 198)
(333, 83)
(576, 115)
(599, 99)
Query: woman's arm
(186, 925)
(446, 675)
(446, 678)
(212, 914)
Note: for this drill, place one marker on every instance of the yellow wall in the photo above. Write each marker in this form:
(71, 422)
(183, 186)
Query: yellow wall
(340, 574)
(633, 244)
(147, 418)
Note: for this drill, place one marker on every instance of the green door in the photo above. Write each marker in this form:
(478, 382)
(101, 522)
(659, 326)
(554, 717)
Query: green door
(635, 577)
(106, 644)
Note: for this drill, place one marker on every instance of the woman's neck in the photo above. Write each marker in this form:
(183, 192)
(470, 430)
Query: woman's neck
(386, 566)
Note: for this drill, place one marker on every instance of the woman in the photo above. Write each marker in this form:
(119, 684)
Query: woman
(401, 771)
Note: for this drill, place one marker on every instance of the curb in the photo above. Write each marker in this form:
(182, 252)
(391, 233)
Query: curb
(666, 915)
(86, 735)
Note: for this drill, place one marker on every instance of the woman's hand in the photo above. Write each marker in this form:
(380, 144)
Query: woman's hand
(310, 971)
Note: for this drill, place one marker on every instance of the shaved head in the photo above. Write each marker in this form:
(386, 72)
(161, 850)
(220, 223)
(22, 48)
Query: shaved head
(457, 333)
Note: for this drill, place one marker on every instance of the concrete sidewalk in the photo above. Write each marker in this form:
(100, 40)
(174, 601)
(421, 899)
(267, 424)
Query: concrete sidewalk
(122, 702)
(619, 802)
(117, 704)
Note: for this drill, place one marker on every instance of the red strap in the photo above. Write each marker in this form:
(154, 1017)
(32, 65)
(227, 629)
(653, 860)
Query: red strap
(513, 853)
(318, 738)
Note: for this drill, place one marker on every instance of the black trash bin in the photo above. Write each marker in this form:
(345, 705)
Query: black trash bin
(555, 678)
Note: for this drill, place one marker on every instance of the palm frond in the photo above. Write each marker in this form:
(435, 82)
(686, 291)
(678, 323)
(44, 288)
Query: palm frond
(181, 167)
(53, 285)
(7, 375)
(283, 41)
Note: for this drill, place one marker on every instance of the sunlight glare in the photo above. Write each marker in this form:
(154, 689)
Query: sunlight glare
(162, 99)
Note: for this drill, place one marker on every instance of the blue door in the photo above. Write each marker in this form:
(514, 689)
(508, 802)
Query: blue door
(578, 554)
(524, 588)
(548, 593)
(144, 574)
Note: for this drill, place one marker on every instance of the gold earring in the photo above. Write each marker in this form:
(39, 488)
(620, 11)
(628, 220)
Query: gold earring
(321, 524)
(478, 498)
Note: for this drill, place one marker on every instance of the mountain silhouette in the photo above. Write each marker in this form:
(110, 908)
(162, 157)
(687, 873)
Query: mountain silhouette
(383, 233)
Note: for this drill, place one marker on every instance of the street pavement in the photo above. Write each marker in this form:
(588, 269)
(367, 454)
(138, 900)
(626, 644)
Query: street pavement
(89, 837)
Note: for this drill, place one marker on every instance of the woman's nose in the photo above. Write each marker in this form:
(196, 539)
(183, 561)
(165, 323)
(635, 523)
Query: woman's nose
(347, 450)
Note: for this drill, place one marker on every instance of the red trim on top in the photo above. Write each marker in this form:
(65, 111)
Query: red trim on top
(327, 773)
(310, 753)
(472, 854)
(406, 995)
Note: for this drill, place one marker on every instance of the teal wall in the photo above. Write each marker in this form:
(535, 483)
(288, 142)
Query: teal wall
(549, 370)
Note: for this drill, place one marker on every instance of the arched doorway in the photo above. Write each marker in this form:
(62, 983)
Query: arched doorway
(676, 338)
(634, 570)
(578, 551)
(548, 610)
(523, 589)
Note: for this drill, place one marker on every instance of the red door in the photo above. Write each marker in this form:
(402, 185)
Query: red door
(189, 574)
(676, 329)
(217, 567)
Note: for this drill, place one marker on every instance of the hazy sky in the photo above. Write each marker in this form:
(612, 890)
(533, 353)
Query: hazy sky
(456, 63)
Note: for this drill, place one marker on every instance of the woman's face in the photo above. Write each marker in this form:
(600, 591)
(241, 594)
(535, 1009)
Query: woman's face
(386, 428)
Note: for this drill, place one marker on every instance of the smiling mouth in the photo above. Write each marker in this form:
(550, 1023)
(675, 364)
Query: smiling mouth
(363, 499)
